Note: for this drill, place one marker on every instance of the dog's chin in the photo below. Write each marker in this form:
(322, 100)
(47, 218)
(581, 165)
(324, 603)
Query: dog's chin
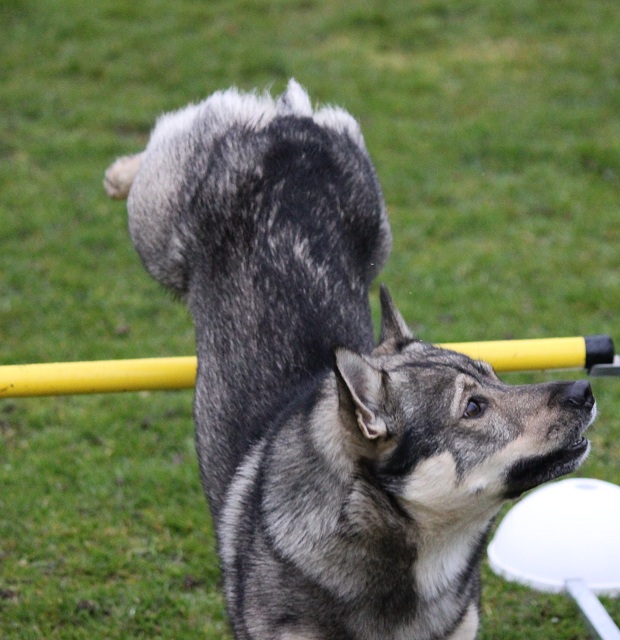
(532, 472)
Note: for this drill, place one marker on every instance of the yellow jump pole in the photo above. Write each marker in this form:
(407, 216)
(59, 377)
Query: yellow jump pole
(157, 374)
(102, 376)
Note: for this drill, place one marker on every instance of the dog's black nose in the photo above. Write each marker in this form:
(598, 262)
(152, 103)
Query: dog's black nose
(580, 394)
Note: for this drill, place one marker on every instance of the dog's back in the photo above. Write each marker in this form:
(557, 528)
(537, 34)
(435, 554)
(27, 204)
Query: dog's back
(272, 224)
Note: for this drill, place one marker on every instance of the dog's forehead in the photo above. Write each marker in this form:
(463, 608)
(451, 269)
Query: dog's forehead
(422, 358)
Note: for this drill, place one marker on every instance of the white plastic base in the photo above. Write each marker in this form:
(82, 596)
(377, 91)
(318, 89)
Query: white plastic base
(565, 530)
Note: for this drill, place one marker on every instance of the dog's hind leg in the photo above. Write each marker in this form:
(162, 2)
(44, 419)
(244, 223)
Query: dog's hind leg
(150, 221)
(155, 201)
(120, 176)
(172, 172)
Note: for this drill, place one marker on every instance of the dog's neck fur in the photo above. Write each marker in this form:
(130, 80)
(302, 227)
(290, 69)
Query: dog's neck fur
(448, 532)
(444, 555)
(441, 545)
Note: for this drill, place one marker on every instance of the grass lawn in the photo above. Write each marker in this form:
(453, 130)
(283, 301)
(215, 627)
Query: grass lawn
(495, 130)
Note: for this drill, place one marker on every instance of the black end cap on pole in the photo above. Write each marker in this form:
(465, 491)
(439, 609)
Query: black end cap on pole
(599, 350)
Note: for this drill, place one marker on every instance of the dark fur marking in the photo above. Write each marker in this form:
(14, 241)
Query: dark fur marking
(530, 472)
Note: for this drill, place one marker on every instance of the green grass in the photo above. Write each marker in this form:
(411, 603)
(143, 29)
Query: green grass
(494, 128)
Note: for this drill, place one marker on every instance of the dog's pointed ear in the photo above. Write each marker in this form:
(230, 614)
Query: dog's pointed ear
(393, 326)
(363, 385)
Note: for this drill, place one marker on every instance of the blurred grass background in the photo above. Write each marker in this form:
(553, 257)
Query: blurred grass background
(495, 130)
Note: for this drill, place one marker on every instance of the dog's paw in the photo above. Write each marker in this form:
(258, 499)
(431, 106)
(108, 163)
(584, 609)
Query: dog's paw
(120, 175)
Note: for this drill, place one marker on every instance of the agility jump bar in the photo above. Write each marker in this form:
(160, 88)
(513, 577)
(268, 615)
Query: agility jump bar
(159, 374)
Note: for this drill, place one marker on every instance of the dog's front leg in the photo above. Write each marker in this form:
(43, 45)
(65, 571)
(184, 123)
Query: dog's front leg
(120, 175)
(468, 627)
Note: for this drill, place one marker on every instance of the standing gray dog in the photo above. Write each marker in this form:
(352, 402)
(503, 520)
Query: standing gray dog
(352, 485)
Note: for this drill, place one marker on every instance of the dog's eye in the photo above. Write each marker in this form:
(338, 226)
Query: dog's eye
(475, 408)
